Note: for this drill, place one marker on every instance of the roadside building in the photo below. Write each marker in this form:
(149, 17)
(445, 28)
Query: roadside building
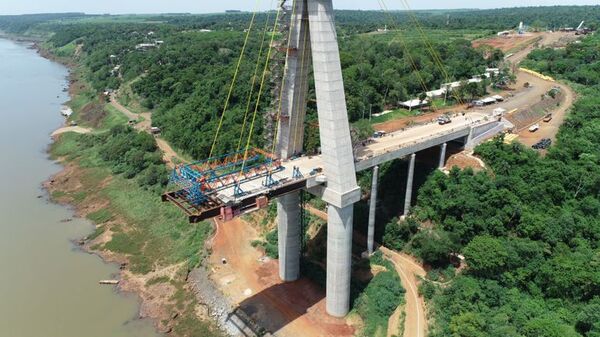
(415, 104)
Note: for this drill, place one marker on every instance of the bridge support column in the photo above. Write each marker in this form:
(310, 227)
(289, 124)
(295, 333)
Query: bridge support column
(443, 149)
(289, 236)
(339, 259)
(342, 191)
(409, 184)
(372, 211)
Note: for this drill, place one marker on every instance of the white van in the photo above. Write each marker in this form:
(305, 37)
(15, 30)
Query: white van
(534, 128)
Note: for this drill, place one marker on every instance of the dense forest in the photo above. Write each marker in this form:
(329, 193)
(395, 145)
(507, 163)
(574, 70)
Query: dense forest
(186, 81)
(353, 21)
(529, 227)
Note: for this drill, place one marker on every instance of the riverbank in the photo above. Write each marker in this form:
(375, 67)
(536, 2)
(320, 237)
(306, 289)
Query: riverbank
(133, 228)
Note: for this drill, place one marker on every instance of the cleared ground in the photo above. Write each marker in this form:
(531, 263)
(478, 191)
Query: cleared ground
(251, 281)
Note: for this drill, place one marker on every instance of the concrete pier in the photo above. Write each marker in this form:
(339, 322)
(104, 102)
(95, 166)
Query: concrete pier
(289, 236)
(443, 149)
(339, 259)
(372, 211)
(409, 184)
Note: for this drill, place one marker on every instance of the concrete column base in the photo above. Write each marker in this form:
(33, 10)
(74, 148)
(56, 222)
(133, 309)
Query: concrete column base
(289, 236)
(339, 259)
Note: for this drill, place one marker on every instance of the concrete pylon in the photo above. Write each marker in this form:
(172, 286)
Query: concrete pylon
(409, 184)
(342, 190)
(295, 91)
(291, 138)
(289, 235)
(372, 211)
(443, 149)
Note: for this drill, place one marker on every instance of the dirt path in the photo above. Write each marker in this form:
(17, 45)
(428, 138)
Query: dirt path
(316, 212)
(76, 129)
(252, 283)
(415, 324)
(115, 103)
(144, 123)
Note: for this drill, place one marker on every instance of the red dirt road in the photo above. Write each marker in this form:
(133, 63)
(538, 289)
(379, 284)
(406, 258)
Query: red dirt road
(252, 282)
(415, 324)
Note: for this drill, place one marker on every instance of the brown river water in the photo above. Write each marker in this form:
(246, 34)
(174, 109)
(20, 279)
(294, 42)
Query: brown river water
(48, 288)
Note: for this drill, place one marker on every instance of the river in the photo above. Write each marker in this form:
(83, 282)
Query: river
(48, 287)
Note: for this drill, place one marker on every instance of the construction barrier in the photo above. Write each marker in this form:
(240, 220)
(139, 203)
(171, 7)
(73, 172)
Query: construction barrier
(536, 74)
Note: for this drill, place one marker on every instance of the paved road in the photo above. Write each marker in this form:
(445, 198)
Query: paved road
(419, 134)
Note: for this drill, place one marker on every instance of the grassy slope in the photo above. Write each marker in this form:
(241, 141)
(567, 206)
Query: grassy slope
(151, 234)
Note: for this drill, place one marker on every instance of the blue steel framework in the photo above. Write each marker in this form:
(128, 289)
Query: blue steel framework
(199, 180)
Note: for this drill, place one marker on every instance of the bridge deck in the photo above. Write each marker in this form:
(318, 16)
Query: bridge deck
(392, 146)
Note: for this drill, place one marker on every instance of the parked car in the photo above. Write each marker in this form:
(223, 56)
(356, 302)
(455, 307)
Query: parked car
(379, 134)
(534, 128)
(444, 119)
(548, 118)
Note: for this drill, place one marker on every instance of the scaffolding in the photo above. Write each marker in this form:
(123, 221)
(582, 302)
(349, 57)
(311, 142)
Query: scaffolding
(199, 180)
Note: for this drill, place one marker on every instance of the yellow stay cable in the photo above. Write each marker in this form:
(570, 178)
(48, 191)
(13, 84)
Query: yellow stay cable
(404, 47)
(235, 75)
(283, 83)
(254, 77)
(262, 85)
(303, 84)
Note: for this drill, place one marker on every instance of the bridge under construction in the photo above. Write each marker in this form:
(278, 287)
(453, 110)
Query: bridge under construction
(233, 184)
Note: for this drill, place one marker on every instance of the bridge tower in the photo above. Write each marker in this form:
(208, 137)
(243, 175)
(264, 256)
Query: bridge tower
(314, 41)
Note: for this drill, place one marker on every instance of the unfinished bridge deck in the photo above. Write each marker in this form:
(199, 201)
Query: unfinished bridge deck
(306, 171)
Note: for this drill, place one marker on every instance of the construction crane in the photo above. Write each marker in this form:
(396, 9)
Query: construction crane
(581, 30)
(521, 28)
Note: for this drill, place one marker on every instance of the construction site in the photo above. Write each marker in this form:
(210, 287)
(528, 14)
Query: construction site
(257, 295)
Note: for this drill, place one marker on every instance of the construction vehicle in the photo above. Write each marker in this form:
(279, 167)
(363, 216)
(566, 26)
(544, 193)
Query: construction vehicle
(534, 128)
(542, 144)
(521, 28)
(581, 30)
